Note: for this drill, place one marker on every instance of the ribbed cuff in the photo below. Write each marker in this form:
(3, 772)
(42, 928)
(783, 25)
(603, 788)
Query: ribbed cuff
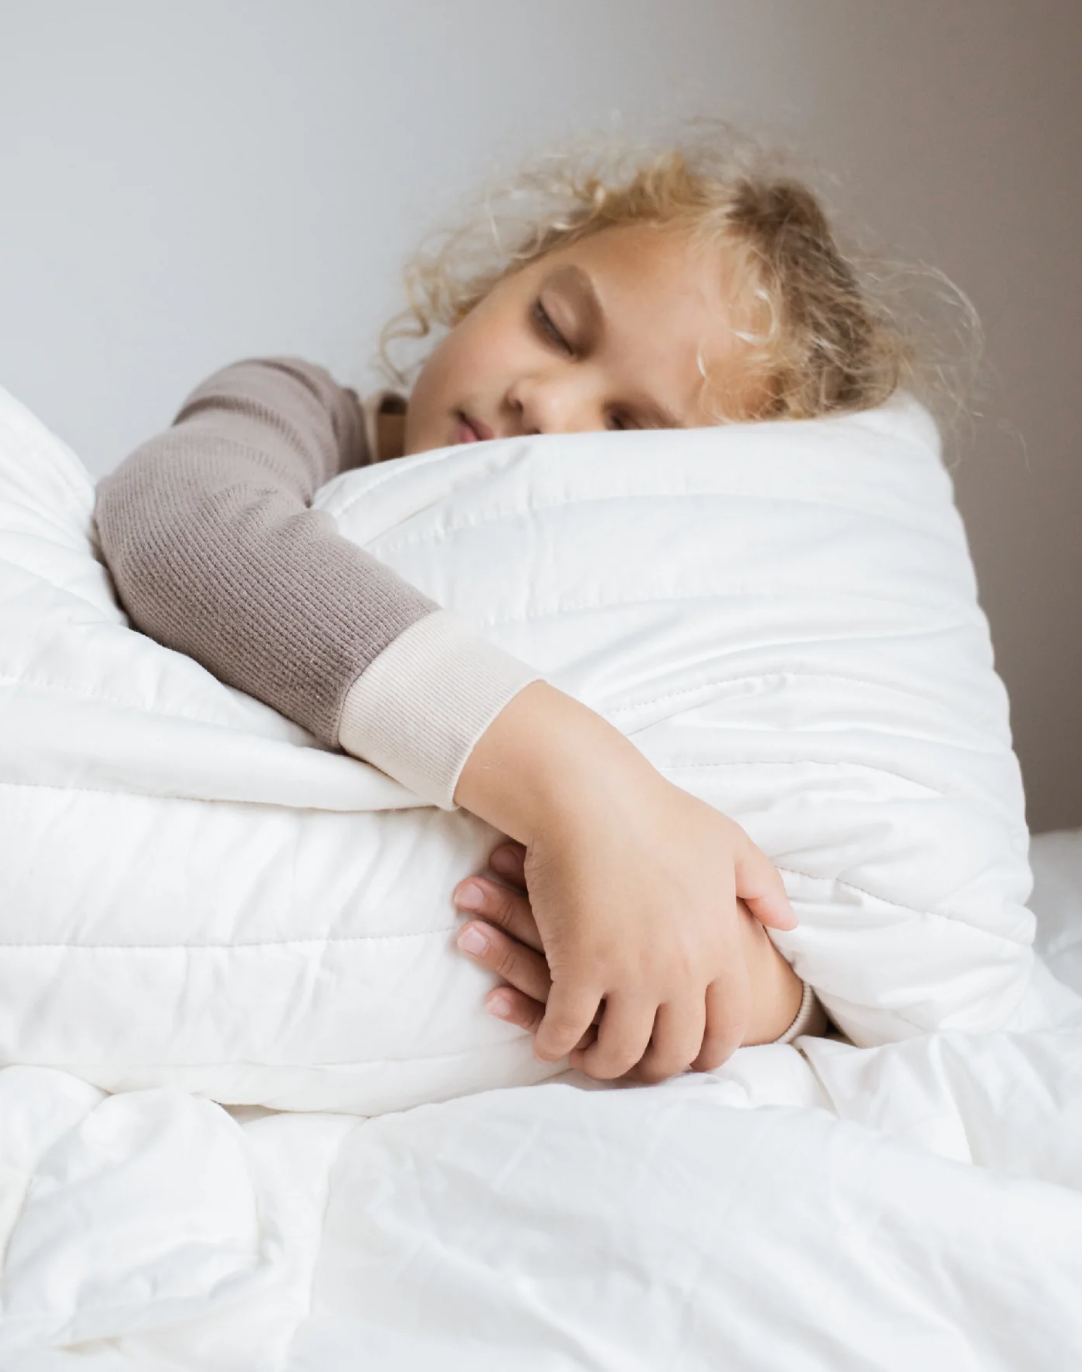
(419, 708)
(805, 1016)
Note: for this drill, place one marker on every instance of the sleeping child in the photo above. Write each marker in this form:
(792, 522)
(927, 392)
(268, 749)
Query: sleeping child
(695, 287)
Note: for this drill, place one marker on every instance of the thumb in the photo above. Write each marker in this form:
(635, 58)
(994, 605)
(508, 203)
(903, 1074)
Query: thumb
(760, 887)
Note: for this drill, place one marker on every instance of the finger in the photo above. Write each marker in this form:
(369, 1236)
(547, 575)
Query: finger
(569, 1013)
(728, 1006)
(526, 971)
(588, 1039)
(622, 1038)
(759, 883)
(515, 962)
(575, 1060)
(509, 862)
(677, 1040)
(500, 905)
(515, 1007)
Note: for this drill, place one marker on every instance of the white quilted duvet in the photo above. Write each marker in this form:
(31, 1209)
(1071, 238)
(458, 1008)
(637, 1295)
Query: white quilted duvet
(192, 896)
(784, 619)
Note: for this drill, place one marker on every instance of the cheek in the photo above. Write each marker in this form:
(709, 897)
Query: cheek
(471, 367)
(432, 379)
(476, 357)
(431, 400)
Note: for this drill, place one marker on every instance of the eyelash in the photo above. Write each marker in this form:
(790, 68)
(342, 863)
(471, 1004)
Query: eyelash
(548, 329)
(544, 323)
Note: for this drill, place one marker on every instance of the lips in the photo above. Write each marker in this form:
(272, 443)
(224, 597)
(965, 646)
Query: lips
(470, 430)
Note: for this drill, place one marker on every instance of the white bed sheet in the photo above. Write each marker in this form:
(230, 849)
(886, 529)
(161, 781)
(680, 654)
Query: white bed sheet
(916, 1204)
(1056, 860)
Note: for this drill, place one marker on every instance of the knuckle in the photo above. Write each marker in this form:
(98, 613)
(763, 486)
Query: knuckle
(658, 1064)
(532, 1015)
(504, 960)
(685, 965)
(729, 1028)
(521, 1010)
(557, 1038)
(566, 1028)
(709, 1059)
(607, 1066)
(599, 1071)
(544, 1051)
(730, 1024)
(726, 1050)
(720, 1049)
(589, 971)
(502, 910)
(738, 1015)
(653, 1072)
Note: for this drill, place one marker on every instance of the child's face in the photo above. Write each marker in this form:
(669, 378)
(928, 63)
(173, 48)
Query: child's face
(615, 331)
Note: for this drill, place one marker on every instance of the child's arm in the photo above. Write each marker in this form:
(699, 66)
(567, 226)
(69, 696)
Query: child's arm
(214, 551)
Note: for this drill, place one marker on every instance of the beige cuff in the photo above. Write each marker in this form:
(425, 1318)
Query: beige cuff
(806, 1016)
(418, 709)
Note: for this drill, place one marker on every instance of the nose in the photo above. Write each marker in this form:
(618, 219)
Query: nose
(552, 403)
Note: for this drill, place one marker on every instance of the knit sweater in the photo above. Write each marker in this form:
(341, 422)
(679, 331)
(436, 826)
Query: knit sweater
(214, 551)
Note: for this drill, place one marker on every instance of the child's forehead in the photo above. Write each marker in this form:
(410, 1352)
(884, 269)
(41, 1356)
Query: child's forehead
(657, 270)
(618, 248)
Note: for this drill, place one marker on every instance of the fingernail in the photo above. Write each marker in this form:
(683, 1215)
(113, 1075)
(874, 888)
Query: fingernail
(471, 940)
(470, 896)
(499, 1003)
(502, 861)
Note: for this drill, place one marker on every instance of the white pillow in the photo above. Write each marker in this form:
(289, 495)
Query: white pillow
(782, 616)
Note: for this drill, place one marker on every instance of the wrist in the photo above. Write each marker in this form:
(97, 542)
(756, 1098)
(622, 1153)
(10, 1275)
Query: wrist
(419, 708)
(545, 755)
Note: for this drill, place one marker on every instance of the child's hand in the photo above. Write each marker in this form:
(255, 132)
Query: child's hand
(633, 884)
(635, 898)
(505, 940)
(503, 937)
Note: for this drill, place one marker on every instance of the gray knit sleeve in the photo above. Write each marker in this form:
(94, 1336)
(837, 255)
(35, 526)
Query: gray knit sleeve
(214, 551)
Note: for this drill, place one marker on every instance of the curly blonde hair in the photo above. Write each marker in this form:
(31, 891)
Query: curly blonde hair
(822, 337)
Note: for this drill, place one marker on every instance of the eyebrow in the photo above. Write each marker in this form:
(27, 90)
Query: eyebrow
(579, 284)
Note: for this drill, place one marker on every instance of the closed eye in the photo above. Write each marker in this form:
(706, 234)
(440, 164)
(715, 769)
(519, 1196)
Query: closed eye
(548, 329)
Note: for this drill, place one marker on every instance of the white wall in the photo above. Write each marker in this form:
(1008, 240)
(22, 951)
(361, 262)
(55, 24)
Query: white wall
(183, 185)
